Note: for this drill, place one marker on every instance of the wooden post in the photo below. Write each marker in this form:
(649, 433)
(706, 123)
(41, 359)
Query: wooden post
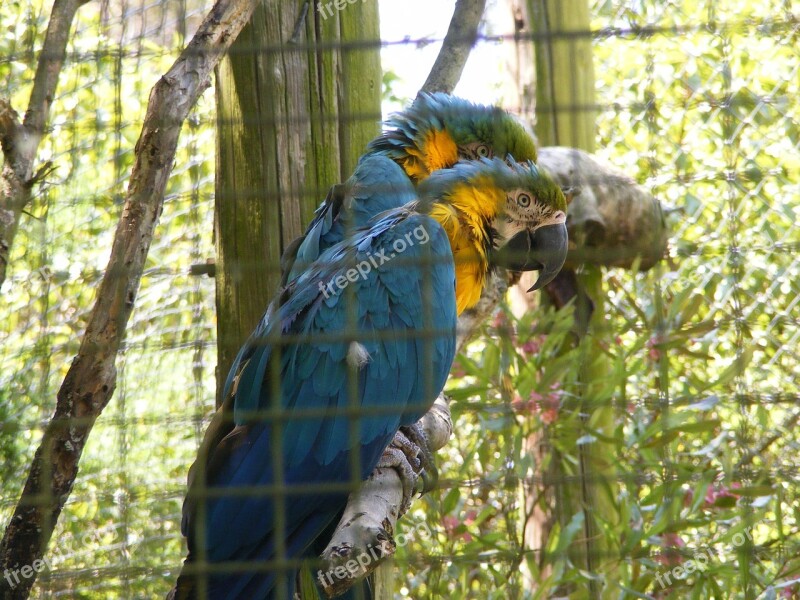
(564, 73)
(297, 102)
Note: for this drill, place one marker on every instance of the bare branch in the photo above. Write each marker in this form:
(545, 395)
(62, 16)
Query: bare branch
(613, 221)
(48, 69)
(90, 381)
(458, 42)
(20, 142)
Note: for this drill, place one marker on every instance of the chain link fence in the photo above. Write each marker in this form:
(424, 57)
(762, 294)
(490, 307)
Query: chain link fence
(694, 414)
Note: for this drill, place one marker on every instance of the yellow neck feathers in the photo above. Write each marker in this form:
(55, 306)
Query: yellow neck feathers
(465, 217)
(439, 151)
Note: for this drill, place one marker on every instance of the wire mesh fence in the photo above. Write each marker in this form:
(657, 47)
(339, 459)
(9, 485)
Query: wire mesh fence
(654, 458)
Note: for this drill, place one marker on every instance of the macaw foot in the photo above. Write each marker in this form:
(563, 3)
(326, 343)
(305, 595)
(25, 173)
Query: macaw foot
(428, 472)
(402, 455)
(409, 454)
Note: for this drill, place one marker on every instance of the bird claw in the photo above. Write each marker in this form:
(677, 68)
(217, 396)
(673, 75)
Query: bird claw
(409, 454)
(428, 471)
(398, 456)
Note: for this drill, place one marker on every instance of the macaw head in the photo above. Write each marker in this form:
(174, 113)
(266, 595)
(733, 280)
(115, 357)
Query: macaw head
(497, 213)
(438, 130)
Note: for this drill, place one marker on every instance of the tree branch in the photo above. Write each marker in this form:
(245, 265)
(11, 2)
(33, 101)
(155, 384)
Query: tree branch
(458, 42)
(90, 381)
(20, 141)
(364, 536)
(614, 221)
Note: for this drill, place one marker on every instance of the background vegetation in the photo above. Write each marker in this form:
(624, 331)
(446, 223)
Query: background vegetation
(697, 100)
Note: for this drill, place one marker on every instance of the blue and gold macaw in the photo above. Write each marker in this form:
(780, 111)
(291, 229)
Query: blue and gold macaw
(359, 344)
(434, 133)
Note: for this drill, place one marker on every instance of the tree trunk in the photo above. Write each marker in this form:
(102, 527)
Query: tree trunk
(297, 103)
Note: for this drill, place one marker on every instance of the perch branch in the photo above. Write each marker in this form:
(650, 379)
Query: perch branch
(90, 381)
(364, 536)
(20, 141)
(458, 42)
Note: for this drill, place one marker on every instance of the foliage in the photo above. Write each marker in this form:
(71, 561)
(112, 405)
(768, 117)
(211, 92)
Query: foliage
(700, 353)
(120, 526)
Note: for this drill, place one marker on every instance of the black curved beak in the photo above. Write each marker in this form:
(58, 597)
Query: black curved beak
(543, 250)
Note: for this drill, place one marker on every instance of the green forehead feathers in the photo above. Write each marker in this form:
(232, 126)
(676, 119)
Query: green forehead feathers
(505, 176)
(466, 123)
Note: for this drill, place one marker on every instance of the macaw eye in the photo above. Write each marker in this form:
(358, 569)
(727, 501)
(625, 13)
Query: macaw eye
(483, 151)
(524, 200)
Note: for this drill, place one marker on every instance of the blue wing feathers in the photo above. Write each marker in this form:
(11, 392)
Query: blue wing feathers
(387, 305)
(294, 361)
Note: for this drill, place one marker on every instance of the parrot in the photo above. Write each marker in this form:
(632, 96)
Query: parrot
(435, 132)
(357, 345)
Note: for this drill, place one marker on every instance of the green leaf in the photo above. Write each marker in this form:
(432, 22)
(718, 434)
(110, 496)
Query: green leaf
(574, 526)
(450, 500)
(661, 440)
(735, 369)
(308, 590)
(754, 491)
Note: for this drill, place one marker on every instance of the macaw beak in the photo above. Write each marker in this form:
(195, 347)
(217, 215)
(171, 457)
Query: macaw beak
(543, 250)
